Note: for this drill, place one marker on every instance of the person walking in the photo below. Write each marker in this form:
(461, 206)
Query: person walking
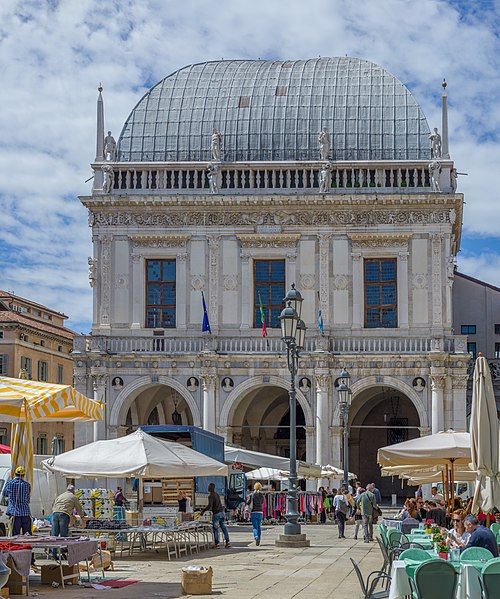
(341, 506)
(256, 504)
(18, 493)
(322, 494)
(62, 510)
(358, 518)
(367, 504)
(218, 517)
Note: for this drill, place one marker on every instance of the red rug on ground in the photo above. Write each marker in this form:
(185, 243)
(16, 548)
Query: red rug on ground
(117, 584)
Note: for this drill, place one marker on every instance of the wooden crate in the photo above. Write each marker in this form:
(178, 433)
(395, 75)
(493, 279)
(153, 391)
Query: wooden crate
(171, 488)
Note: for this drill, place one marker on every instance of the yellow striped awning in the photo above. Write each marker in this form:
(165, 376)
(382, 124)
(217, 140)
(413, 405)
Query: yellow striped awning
(22, 399)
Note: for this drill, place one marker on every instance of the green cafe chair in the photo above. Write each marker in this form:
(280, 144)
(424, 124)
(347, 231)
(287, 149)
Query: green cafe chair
(434, 579)
(495, 528)
(490, 579)
(416, 554)
(476, 554)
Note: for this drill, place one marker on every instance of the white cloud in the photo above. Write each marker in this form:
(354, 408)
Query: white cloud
(53, 54)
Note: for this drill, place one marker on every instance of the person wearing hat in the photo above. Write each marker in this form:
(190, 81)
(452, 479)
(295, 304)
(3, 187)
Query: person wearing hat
(18, 492)
(62, 510)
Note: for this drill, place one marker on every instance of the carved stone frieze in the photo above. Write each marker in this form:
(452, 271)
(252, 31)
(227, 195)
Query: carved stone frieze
(198, 282)
(213, 266)
(105, 278)
(268, 241)
(233, 217)
(377, 240)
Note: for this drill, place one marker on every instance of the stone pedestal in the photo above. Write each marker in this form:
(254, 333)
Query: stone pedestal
(293, 541)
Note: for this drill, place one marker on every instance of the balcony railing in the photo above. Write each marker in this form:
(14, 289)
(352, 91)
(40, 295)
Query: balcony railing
(271, 345)
(268, 177)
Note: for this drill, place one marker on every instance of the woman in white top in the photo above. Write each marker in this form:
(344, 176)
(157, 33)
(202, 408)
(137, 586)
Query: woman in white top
(458, 536)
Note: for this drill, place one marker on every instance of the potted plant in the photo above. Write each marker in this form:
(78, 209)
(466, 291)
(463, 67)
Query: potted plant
(428, 526)
(443, 550)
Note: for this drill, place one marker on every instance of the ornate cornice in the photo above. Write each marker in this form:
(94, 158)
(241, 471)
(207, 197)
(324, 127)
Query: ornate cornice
(268, 241)
(159, 241)
(369, 240)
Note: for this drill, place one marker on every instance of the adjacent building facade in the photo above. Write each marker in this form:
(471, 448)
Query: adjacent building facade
(230, 181)
(34, 343)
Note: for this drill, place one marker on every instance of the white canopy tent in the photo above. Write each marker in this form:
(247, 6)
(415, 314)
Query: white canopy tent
(266, 474)
(266, 460)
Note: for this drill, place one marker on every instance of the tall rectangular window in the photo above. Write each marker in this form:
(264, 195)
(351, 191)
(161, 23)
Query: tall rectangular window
(43, 371)
(381, 309)
(468, 329)
(3, 363)
(160, 294)
(60, 374)
(269, 287)
(497, 351)
(41, 444)
(472, 349)
(497, 329)
(26, 366)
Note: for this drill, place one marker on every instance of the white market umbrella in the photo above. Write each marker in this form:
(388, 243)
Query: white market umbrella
(330, 471)
(136, 455)
(484, 439)
(267, 474)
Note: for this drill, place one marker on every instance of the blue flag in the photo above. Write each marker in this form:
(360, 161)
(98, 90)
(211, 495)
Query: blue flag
(320, 320)
(206, 323)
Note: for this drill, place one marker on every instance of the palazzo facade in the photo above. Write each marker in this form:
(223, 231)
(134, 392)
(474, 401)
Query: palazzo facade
(230, 181)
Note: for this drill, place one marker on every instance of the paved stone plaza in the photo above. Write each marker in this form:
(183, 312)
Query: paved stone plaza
(245, 571)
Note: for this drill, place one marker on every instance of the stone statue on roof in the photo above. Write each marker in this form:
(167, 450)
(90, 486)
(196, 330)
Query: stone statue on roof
(109, 147)
(108, 178)
(213, 175)
(216, 144)
(324, 176)
(324, 144)
(435, 143)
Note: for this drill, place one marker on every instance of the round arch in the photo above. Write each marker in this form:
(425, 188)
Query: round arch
(239, 392)
(379, 381)
(130, 392)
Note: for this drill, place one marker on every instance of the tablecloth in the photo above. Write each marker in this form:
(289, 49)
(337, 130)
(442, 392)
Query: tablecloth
(20, 560)
(392, 523)
(468, 581)
(77, 549)
(422, 540)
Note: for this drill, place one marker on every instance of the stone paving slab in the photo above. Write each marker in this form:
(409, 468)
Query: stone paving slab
(245, 571)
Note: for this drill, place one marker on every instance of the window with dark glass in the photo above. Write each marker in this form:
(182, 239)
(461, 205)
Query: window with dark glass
(468, 329)
(60, 374)
(497, 351)
(471, 349)
(43, 371)
(269, 288)
(41, 444)
(26, 366)
(381, 293)
(497, 329)
(160, 294)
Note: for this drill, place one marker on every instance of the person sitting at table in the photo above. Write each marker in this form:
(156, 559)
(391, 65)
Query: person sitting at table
(437, 514)
(404, 511)
(480, 536)
(457, 535)
(410, 522)
(421, 511)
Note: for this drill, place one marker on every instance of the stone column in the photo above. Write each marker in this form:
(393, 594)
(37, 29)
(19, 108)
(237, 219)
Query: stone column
(403, 290)
(138, 316)
(459, 392)
(246, 292)
(208, 382)
(99, 383)
(438, 382)
(310, 430)
(357, 291)
(323, 380)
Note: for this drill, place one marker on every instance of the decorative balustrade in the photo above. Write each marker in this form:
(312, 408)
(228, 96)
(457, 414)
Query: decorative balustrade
(269, 345)
(265, 177)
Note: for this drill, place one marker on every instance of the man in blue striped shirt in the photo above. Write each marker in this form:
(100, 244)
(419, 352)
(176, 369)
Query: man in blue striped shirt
(18, 492)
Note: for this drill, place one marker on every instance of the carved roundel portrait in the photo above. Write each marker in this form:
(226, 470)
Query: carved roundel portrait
(227, 384)
(418, 383)
(304, 384)
(117, 382)
(193, 383)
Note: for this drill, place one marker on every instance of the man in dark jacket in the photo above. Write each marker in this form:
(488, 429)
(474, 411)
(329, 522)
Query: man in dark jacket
(218, 517)
(480, 536)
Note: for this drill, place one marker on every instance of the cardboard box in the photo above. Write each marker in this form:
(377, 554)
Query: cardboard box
(17, 584)
(196, 580)
(52, 573)
(131, 517)
(4, 593)
(157, 494)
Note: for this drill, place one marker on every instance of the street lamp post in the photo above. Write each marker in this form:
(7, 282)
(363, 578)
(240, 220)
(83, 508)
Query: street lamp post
(293, 332)
(344, 404)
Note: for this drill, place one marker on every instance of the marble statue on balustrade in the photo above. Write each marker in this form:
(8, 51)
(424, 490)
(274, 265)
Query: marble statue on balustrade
(108, 178)
(324, 179)
(453, 179)
(324, 144)
(109, 147)
(434, 170)
(213, 175)
(216, 145)
(435, 139)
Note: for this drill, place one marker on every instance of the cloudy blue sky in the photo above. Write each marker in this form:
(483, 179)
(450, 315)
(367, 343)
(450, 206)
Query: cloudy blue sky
(54, 53)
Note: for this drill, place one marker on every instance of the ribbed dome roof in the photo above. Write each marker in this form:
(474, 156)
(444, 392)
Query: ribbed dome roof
(274, 110)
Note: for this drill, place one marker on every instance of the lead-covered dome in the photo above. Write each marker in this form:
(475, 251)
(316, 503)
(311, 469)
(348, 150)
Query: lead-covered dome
(274, 110)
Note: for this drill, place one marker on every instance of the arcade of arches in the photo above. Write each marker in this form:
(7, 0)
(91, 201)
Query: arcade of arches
(379, 417)
(158, 404)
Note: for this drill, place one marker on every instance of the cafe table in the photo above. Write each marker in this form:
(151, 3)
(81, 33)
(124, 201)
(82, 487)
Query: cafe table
(469, 573)
(423, 540)
(391, 523)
